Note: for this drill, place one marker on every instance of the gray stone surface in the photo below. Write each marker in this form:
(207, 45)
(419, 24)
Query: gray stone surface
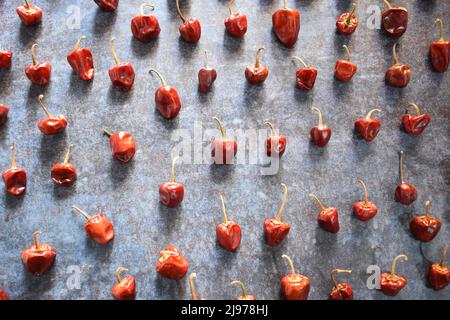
(129, 193)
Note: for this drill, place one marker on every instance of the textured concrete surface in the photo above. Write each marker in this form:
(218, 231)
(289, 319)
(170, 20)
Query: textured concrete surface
(129, 193)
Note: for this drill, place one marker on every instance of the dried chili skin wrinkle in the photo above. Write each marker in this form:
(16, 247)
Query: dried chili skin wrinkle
(124, 288)
(39, 72)
(123, 145)
(344, 69)
(3, 295)
(294, 286)
(52, 124)
(276, 230)
(228, 232)
(275, 144)
(405, 193)
(14, 178)
(245, 295)
(4, 110)
(5, 58)
(305, 77)
(145, 27)
(206, 76)
(391, 283)
(39, 257)
(347, 22)
(439, 273)
(98, 227)
(340, 291)
(256, 73)
(82, 61)
(236, 22)
(107, 5)
(171, 193)
(440, 51)
(320, 134)
(167, 99)
(395, 20)
(223, 151)
(327, 218)
(286, 25)
(415, 124)
(425, 227)
(368, 127)
(364, 210)
(399, 74)
(191, 30)
(64, 173)
(30, 14)
(172, 264)
(122, 74)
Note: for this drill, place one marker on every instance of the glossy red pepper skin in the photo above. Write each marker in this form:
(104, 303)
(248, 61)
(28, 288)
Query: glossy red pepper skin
(191, 30)
(223, 151)
(275, 231)
(30, 15)
(122, 76)
(172, 264)
(425, 228)
(320, 135)
(306, 78)
(53, 125)
(63, 174)
(4, 110)
(15, 180)
(415, 124)
(206, 78)
(229, 235)
(145, 28)
(40, 73)
(345, 28)
(38, 260)
(440, 55)
(295, 286)
(398, 75)
(286, 25)
(405, 193)
(392, 284)
(275, 146)
(368, 128)
(395, 21)
(256, 75)
(99, 228)
(345, 70)
(329, 220)
(107, 5)
(82, 63)
(123, 146)
(171, 194)
(3, 295)
(364, 211)
(5, 59)
(125, 289)
(167, 101)
(236, 24)
(344, 291)
(438, 276)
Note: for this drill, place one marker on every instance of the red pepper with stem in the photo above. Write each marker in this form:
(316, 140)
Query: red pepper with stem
(439, 273)
(414, 124)
(328, 218)
(286, 25)
(399, 74)
(206, 76)
(30, 14)
(426, 227)
(39, 257)
(40, 72)
(392, 283)
(107, 5)
(364, 210)
(368, 128)
(4, 110)
(405, 193)
(228, 232)
(15, 178)
(275, 144)
(347, 22)
(122, 74)
(440, 51)
(82, 61)
(395, 20)
(344, 69)
(194, 296)
(3, 295)
(340, 291)
(123, 146)
(98, 227)
(223, 151)
(320, 134)
(5, 58)
(167, 99)
(245, 295)
(305, 76)
(125, 288)
(236, 22)
(276, 230)
(191, 30)
(294, 286)
(256, 73)
(52, 124)
(64, 174)
(145, 27)
(171, 194)
(172, 264)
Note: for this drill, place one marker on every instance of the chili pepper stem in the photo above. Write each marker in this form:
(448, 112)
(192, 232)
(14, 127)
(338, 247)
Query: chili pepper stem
(113, 51)
(180, 14)
(13, 157)
(318, 201)
(369, 115)
(317, 110)
(83, 213)
(272, 130)
(107, 132)
(33, 53)
(299, 59)
(388, 4)
(222, 129)
(146, 5)
(239, 283)
(192, 276)
(394, 262)
(366, 193)
(40, 98)
(401, 167)
(172, 172)
(283, 203)
(395, 54)
(415, 107)
(285, 4)
(164, 255)
(119, 270)
(163, 81)
(347, 52)
(289, 260)
(230, 6)
(443, 255)
(349, 18)
(36, 239)
(258, 56)
(427, 210)
(27, 3)
(333, 276)
(66, 159)
(77, 44)
(441, 30)
(225, 215)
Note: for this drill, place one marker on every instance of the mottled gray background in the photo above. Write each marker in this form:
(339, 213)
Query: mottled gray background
(129, 194)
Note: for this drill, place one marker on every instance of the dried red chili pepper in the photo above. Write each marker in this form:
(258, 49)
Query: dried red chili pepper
(236, 22)
(305, 76)
(171, 194)
(39, 257)
(347, 22)
(5, 58)
(123, 146)
(344, 69)
(228, 232)
(194, 296)
(440, 51)
(320, 134)
(364, 210)
(52, 124)
(64, 173)
(3, 295)
(40, 72)
(245, 295)
(414, 124)
(426, 227)
(395, 20)
(167, 99)
(439, 273)
(276, 230)
(399, 74)
(15, 178)
(340, 291)
(392, 283)
(98, 227)
(125, 288)
(4, 110)
(30, 14)
(275, 144)
(368, 128)
(82, 61)
(328, 218)
(107, 5)
(294, 286)
(145, 27)
(122, 74)
(191, 30)
(286, 25)
(172, 264)
(405, 193)
(206, 76)
(256, 73)
(223, 151)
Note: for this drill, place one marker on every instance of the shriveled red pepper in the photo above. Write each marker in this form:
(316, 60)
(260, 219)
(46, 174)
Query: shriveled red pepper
(107, 5)
(245, 295)
(40, 72)
(347, 22)
(122, 74)
(223, 151)
(399, 74)
(340, 291)
(327, 218)
(286, 25)
(52, 124)
(15, 178)
(206, 76)
(395, 20)
(405, 193)
(276, 230)
(64, 173)
(425, 227)
(391, 283)
(4, 110)
(368, 128)
(82, 61)
(344, 69)
(320, 134)
(294, 286)
(171, 193)
(228, 232)
(39, 257)
(123, 145)
(364, 210)
(30, 14)
(191, 30)
(167, 99)
(256, 73)
(439, 273)
(440, 51)
(414, 124)
(172, 264)
(145, 27)
(125, 288)
(5, 58)
(3, 295)
(98, 227)
(236, 22)
(275, 144)
(194, 296)
(305, 76)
